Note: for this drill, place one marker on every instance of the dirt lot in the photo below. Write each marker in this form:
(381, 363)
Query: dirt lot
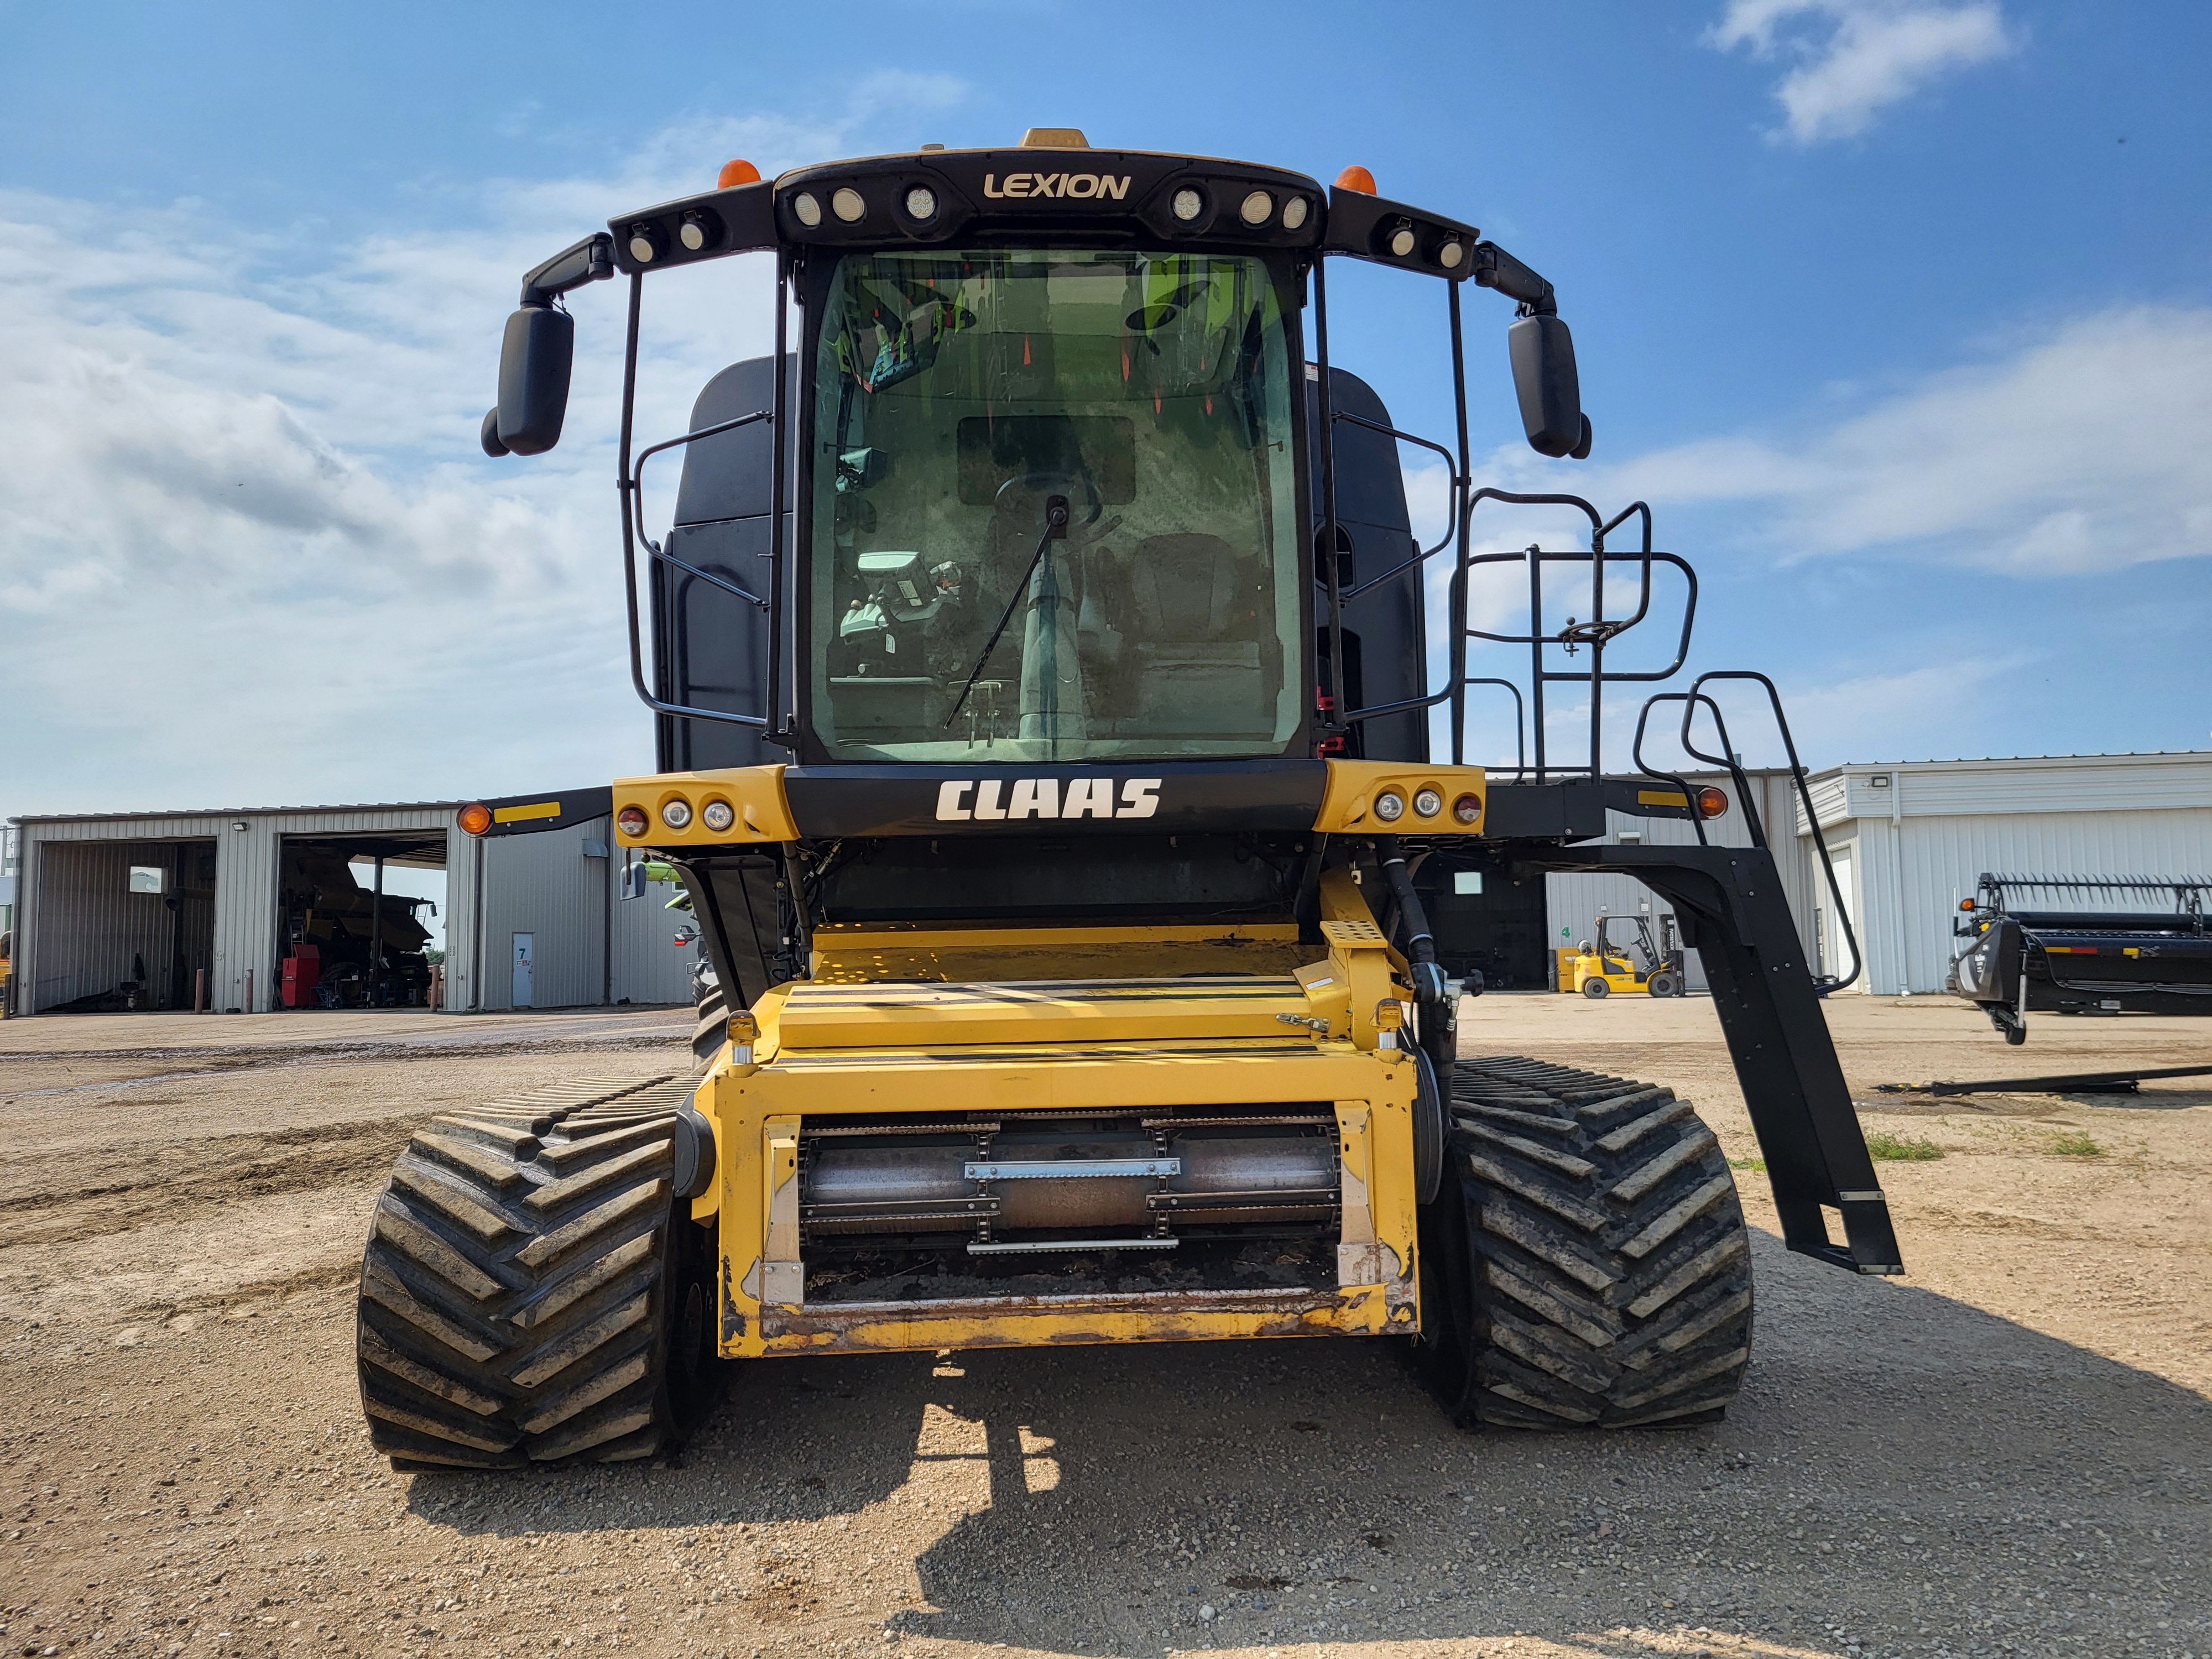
(2008, 1452)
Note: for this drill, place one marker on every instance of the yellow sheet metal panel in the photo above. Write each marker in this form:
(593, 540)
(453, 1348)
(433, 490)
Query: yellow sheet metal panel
(1347, 806)
(754, 795)
(852, 953)
(1004, 1322)
(817, 1016)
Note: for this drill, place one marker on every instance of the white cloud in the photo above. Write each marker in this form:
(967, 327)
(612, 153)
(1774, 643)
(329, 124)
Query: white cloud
(2086, 447)
(249, 549)
(1875, 53)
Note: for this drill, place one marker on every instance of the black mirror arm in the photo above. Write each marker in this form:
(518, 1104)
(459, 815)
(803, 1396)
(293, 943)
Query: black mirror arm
(591, 260)
(1495, 268)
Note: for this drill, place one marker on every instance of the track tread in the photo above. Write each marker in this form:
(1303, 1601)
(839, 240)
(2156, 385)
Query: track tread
(519, 1281)
(1605, 1279)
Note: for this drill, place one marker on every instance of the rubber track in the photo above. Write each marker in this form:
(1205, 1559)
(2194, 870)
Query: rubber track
(713, 1015)
(513, 1306)
(1610, 1265)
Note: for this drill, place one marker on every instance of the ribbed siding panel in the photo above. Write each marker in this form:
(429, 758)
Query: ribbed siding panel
(650, 967)
(543, 886)
(244, 934)
(1941, 857)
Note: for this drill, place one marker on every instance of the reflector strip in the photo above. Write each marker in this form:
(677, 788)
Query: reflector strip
(544, 809)
(1661, 798)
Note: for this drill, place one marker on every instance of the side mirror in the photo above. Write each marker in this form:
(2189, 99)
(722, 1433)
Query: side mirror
(1543, 354)
(534, 361)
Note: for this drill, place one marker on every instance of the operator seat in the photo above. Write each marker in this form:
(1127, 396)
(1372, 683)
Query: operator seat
(1205, 637)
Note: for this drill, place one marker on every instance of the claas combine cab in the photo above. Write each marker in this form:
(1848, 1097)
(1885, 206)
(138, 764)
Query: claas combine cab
(1043, 703)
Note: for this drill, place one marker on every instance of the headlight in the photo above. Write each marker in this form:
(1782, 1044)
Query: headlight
(847, 205)
(717, 816)
(1257, 207)
(1389, 806)
(806, 209)
(1188, 205)
(922, 204)
(1294, 213)
(677, 813)
(631, 821)
(1428, 802)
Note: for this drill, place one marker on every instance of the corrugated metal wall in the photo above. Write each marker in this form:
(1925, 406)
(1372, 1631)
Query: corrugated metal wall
(544, 886)
(1918, 835)
(110, 930)
(649, 965)
(53, 939)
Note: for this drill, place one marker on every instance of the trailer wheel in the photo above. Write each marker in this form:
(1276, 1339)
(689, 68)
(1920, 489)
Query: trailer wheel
(534, 1290)
(1596, 989)
(1586, 1263)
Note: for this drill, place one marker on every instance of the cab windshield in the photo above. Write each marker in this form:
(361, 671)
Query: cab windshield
(955, 395)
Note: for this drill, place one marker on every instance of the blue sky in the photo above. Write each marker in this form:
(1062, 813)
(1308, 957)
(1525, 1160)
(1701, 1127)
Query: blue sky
(1896, 311)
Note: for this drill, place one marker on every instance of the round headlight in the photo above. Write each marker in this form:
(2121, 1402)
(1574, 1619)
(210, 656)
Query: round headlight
(1450, 255)
(1466, 809)
(1188, 205)
(692, 232)
(847, 205)
(1402, 240)
(1428, 802)
(1294, 213)
(1389, 806)
(717, 816)
(641, 247)
(1258, 206)
(631, 821)
(677, 813)
(806, 209)
(921, 202)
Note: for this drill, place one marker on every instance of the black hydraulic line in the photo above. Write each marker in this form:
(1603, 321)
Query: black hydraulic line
(1456, 605)
(1329, 499)
(1420, 942)
(2082, 1081)
(780, 432)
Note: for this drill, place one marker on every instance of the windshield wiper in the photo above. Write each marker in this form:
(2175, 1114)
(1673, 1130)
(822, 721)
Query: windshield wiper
(1055, 528)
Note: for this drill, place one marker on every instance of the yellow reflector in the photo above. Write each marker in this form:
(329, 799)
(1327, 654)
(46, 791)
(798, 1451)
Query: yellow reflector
(541, 809)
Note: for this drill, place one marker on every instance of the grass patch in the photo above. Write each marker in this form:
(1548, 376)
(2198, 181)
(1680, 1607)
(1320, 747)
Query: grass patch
(1901, 1149)
(2076, 1145)
(1756, 1165)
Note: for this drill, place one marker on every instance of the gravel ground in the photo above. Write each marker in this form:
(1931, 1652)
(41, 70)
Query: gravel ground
(2005, 1453)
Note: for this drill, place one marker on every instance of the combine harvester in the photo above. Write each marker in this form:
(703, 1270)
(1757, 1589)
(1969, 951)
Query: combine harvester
(2090, 961)
(1052, 816)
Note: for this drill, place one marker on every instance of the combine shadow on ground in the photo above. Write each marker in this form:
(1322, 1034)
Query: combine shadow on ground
(1904, 1472)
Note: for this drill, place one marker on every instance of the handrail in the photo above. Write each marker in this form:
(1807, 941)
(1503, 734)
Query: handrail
(1821, 983)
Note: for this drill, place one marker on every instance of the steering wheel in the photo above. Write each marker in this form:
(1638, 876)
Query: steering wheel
(1081, 518)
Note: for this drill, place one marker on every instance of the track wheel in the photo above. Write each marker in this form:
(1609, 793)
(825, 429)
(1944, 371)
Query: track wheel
(534, 1289)
(1586, 1263)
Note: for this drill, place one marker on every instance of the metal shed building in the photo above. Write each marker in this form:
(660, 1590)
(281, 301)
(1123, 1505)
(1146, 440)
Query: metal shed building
(213, 907)
(1910, 839)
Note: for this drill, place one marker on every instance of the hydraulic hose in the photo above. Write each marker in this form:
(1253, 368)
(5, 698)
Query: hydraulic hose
(1428, 984)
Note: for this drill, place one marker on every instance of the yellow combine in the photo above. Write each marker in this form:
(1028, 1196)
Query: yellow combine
(1038, 664)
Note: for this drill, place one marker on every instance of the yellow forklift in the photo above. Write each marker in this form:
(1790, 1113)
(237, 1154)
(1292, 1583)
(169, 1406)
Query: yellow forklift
(1597, 967)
